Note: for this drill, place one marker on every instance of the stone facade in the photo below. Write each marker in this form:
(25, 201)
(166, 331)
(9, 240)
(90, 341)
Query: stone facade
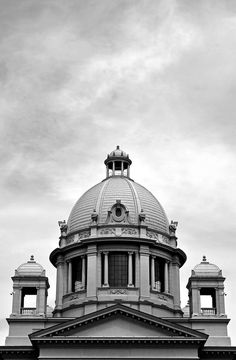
(118, 288)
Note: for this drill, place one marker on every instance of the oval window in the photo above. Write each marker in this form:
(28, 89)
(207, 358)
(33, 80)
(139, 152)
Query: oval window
(118, 212)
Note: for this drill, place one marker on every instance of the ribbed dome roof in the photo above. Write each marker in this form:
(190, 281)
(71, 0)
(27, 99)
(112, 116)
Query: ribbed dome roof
(206, 269)
(31, 268)
(118, 152)
(104, 195)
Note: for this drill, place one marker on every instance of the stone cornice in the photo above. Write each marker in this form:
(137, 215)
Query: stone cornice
(218, 352)
(140, 241)
(150, 340)
(174, 330)
(18, 352)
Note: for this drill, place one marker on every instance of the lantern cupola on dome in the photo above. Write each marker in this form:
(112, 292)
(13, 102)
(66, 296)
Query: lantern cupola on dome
(118, 163)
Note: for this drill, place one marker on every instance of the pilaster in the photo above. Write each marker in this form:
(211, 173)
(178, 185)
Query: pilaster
(92, 271)
(144, 272)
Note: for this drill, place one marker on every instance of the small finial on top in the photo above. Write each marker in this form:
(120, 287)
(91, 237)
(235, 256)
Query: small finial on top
(204, 258)
(117, 147)
(32, 258)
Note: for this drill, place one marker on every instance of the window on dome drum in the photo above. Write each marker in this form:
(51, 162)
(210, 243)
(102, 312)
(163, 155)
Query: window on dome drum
(78, 282)
(208, 301)
(28, 300)
(118, 269)
(158, 283)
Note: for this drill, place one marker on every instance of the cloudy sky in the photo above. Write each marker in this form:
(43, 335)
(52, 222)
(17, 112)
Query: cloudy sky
(78, 78)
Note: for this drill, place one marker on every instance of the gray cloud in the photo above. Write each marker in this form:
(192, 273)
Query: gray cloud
(78, 78)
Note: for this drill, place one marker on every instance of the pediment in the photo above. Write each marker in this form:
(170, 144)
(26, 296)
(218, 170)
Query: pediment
(117, 323)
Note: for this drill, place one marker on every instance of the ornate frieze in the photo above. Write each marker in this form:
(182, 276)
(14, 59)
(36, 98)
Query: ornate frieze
(108, 231)
(84, 235)
(118, 231)
(158, 237)
(118, 291)
(77, 237)
(129, 231)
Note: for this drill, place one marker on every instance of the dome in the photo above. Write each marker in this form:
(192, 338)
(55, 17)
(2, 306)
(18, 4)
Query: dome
(101, 197)
(116, 158)
(31, 268)
(206, 269)
(118, 152)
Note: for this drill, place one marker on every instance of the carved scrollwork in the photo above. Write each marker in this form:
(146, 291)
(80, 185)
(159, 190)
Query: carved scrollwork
(108, 231)
(152, 235)
(118, 291)
(84, 234)
(158, 237)
(129, 231)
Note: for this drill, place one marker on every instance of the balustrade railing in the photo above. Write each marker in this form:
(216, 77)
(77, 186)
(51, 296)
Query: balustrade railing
(208, 311)
(28, 311)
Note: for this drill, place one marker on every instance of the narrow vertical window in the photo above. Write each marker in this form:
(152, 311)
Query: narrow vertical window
(118, 269)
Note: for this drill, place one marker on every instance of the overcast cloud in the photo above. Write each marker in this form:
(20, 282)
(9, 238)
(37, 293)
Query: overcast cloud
(78, 78)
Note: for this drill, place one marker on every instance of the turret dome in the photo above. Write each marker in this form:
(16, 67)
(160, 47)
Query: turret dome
(118, 153)
(206, 269)
(30, 268)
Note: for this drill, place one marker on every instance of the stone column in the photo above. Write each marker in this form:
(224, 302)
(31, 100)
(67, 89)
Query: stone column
(59, 293)
(137, 265)
(221, 296)
(217, 301)
(16, 302)
(130, 269)
(107, 171)
(166, 277)
(83, 271)
(40, 302)
(196, 301)
(153, 286)
(175, 281)
(69, 285)
(113, 168)
(128, 171)
(144, 272)
(92, 271)
(122, 168)
(99, 270)
(65, 278)
(105, 269)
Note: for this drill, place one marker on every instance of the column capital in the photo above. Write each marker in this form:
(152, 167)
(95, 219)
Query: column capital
(144, 250)
(130, 252)
(92, 250)
(60, 260)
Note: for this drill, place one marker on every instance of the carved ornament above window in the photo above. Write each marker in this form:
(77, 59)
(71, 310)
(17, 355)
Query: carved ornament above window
(118, 214)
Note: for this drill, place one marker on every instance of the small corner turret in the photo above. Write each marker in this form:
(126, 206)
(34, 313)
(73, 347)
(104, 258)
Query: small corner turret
(207, 301)
(30, 287)
(206, 290)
